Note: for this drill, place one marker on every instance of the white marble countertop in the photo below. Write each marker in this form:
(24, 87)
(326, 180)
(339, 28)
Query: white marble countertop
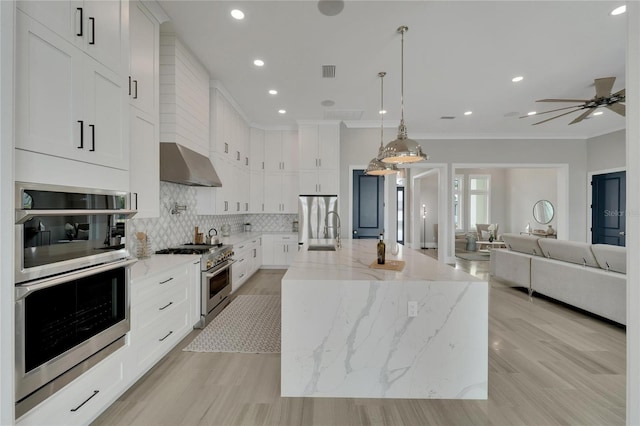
(244, 236)
(158, 263)
(351, 263)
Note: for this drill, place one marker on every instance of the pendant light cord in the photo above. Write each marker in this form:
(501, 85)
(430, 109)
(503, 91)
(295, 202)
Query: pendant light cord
(402, 129)
(381, 75)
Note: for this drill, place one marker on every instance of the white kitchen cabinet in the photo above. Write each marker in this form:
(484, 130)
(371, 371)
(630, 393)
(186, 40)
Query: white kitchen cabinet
(256, 150)
(280, 151)
(143, 85)
(96, 27)
(81, 401)
(230, 134)
(144, 173)
(315, 182)
(319, 145)
(161, 314)
(248, 257)
(68, 105)
(279, 250)
(256, 192)
(280, 192)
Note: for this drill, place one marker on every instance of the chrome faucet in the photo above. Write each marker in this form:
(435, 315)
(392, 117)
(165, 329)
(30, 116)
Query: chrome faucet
(326, 228)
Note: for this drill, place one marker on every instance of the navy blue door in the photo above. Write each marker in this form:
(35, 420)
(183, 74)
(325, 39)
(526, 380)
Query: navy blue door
(368, 205)
(608, 208)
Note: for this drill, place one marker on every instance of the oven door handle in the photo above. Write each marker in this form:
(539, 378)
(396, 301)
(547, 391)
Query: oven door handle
(217, 271)
(23, 290)
(24, 215)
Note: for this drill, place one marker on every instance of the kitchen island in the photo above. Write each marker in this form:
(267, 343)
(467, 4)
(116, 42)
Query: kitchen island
(352, 331)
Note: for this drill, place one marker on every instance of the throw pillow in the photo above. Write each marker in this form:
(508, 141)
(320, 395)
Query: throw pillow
(485, 235)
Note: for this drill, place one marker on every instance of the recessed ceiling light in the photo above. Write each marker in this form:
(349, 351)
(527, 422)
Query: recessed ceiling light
(327, 103)
(282, 111)
(382, 111)
(597, 113)
(517, 79)
(237, 14)
(258, 62)
(531, 113)
(468, 112)
(273, 92)
(618, 10)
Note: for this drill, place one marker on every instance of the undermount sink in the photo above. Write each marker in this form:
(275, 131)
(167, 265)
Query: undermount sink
(321, 247)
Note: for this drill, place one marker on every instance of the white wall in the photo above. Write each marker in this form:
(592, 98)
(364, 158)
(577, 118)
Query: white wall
(607, 152)
(525, 188)
(358, 146)
(428, 190)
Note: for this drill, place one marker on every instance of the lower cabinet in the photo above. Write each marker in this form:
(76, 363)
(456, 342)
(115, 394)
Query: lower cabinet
(248, 256)
(279, 249)
(83, 400)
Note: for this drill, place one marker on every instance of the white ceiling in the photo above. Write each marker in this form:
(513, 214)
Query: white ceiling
(459, 56)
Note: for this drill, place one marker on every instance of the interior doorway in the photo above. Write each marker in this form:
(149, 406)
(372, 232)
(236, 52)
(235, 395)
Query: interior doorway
(400, 218)
(368, 205)
(608, 205)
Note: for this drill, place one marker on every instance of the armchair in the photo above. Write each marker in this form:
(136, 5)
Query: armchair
(482, 230)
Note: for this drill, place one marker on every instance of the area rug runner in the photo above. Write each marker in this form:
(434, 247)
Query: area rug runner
(473, 256)
(250, 324)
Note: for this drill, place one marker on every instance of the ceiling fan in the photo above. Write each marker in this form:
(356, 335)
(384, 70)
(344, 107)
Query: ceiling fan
(603, 98)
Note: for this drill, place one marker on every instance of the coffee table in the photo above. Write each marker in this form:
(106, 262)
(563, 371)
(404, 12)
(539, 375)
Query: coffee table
(486, 246)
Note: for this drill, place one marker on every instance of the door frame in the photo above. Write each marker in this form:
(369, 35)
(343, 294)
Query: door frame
(444, 222)
(590, 175)
(387, 224)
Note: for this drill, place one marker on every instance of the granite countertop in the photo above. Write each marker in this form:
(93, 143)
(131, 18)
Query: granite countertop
(351, 263)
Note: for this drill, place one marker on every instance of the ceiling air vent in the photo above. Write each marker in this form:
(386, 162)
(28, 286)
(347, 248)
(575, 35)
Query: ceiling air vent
(328, 71)
(447, 117)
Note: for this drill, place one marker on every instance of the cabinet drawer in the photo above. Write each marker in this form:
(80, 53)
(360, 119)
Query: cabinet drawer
(85, 398)
(151, 343)
(149, 287)
(159, 306)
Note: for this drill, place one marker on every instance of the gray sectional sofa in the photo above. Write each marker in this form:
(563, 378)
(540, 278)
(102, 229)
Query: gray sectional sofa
(591, 277)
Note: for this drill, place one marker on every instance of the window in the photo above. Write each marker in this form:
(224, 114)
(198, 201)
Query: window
(458, 205)
(479, 198)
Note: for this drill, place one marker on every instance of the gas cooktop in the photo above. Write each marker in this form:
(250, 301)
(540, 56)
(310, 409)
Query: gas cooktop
(190, 248)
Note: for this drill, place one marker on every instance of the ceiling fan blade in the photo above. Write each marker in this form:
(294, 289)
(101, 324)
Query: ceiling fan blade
(604, 86)
(551, 110)
(581, 116)
(563, 100)
(619, 108)
(549, 119)
(622, 92)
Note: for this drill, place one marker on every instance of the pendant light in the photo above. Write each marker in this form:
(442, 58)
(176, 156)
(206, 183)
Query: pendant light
(402, 149)
(377, 167)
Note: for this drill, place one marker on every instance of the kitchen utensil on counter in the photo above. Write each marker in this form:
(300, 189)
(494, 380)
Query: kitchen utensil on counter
(247, 227)
(143, 245)
(226, 230)
(294, 226)
(213, 238)
(195, 235)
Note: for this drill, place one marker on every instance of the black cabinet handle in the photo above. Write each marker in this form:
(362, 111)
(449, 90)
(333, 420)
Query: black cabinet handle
(93, 137)
(165, 281)
(129, 85)
(95, 392)
(165, 306)
(81, 134)
(93, 30)
(81, 19)
(170, 333)
(135, 87)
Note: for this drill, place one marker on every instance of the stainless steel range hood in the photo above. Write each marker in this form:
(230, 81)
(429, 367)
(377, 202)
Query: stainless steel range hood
(179, 164)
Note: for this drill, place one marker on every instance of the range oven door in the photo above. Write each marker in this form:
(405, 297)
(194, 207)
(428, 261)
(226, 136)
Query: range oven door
(216, 286)
(64, 320)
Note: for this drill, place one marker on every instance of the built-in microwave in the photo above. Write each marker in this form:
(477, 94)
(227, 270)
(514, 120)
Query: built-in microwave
(60, 229)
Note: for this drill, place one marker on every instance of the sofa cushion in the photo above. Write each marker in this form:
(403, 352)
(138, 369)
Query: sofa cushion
(568, 251)
(522, 243)
(611, 258)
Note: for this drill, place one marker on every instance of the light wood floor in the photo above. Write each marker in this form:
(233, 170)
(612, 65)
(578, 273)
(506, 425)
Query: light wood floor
(548, 365)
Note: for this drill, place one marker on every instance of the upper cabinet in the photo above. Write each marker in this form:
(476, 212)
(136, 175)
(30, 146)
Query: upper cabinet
(144, 31)
(67, 104)
(230, 134)
(256, 149)
(184, 96)
(280, 151)
(319, 157)
(96, 27)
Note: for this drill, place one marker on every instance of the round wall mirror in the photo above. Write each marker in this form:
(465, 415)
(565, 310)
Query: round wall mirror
(543, 211)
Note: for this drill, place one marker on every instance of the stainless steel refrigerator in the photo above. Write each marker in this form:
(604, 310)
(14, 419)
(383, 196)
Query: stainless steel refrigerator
(315, 214)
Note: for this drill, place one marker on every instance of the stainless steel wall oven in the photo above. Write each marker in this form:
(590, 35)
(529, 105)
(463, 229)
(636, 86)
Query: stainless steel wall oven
(72, 284)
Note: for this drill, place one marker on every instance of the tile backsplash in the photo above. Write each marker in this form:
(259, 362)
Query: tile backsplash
(170, 230)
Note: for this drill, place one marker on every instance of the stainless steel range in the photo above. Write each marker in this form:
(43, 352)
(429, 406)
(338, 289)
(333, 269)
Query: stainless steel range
(215, 282)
